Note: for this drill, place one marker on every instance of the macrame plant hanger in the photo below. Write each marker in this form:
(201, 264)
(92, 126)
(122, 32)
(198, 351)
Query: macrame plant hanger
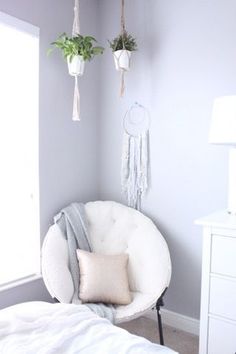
(123, 31)
(75, 32)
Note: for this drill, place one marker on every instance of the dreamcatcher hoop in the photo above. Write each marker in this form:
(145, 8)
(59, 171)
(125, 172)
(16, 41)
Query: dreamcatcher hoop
(136, 120)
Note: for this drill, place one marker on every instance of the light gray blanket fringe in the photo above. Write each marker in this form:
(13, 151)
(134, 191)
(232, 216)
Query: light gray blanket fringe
(72, 222)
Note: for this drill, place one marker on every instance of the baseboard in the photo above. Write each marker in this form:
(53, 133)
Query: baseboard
(176, 320)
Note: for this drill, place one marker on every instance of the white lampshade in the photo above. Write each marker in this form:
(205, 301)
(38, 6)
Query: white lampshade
(223, 124)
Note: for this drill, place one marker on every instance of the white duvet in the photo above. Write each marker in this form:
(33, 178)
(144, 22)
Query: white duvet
(40, 328)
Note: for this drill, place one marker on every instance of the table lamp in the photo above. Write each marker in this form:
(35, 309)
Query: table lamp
(223, 131)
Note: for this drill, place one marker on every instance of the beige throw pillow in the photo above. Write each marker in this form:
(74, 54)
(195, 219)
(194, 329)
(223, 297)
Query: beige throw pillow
(103, 278)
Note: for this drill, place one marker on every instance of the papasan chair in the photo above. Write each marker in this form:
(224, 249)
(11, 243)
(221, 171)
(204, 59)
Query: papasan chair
(113, 229)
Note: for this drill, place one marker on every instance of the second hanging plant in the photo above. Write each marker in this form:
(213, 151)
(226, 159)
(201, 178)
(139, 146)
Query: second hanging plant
(122, 46)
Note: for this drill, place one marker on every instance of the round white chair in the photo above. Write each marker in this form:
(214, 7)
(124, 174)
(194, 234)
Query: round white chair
(113, 229)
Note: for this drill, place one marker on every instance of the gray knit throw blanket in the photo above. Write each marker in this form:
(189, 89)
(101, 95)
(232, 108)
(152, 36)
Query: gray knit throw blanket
(72, 222)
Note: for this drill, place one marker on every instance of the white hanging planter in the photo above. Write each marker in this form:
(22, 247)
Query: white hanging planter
(76, 65)
(122, 59)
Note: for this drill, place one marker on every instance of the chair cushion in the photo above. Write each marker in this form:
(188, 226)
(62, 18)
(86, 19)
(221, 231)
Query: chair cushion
(55, 265)
(103, 278)
(115, 228)
(140, 304)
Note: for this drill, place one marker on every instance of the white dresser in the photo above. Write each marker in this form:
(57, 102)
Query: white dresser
(218, 294)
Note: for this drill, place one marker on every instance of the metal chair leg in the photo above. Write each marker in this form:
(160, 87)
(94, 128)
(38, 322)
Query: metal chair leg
(159, 322)
(160, 303)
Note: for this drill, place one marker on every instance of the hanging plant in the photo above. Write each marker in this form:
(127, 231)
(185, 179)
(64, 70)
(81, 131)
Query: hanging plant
(77, 50)
(122, 46)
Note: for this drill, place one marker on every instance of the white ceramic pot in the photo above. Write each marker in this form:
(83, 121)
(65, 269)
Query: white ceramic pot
(122, 59)
(76, 65)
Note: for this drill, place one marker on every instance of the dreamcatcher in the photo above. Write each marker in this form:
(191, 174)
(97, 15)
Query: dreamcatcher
(135, 155)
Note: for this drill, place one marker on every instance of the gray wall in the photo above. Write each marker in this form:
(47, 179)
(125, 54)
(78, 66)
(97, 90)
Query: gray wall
(68, 155)
(186, 57)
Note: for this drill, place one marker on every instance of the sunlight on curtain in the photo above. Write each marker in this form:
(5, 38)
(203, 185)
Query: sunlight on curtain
(19, 209)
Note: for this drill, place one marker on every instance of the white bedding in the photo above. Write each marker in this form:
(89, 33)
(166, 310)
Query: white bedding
(43, 328)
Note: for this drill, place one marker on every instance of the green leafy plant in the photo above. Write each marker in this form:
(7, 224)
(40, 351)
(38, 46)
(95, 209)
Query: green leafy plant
(123, 41)
(78, 45)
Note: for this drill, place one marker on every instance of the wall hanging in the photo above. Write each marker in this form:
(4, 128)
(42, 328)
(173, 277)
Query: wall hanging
(122, 46)
(76, 49)
(135, 155)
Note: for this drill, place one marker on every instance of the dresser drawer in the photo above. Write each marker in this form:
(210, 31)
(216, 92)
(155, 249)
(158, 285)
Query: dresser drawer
(223, 297)
(222, 337)
(223, 255)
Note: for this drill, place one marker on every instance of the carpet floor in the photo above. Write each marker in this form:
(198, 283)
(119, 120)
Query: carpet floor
(182, 342)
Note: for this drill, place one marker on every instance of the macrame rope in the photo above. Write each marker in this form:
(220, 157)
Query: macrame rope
(122, 22)
(75, 32)
(76, 24)
(76, 102)
(122, 19)
(122, 84)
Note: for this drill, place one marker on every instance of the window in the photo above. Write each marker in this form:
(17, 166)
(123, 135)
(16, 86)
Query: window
(19, 178)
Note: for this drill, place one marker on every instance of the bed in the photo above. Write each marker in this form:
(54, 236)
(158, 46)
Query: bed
(45, 328)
